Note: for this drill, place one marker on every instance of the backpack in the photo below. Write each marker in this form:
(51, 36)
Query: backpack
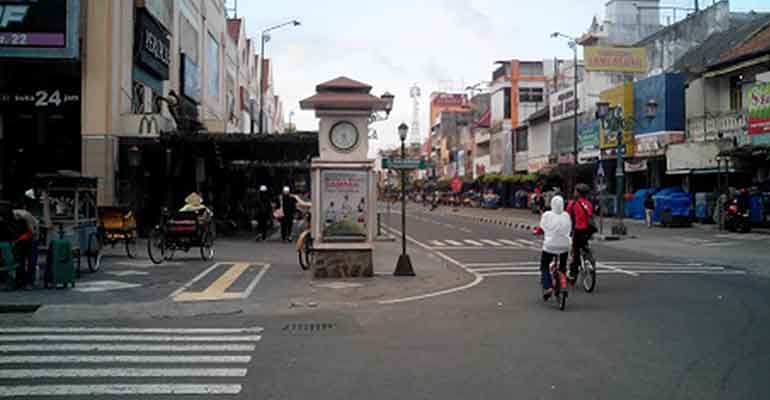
(591, 222)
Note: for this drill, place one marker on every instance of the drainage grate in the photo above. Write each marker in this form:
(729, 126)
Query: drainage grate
(308, 327)
(18, 308)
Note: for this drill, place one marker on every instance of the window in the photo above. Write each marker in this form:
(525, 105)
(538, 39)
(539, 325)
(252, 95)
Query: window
(521, 140)
(736, 94)
(212, 59)
(531, 95)
(188, 41)
(507, 103)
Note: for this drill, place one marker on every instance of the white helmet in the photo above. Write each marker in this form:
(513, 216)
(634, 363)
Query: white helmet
(263, 188)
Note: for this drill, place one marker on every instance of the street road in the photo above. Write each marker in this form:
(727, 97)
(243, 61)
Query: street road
(656, 328)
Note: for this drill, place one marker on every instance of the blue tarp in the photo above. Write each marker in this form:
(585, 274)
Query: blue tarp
(635, 206)
(756, 212)
(674, 199)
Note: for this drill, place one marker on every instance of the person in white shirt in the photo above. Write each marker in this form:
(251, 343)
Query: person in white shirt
(557, 226)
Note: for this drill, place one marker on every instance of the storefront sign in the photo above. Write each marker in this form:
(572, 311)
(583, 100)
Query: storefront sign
(538, 164)
(343, 204)
(191, 79)
(655, 144)
(448, 100)
(41, 98)
(636, 166)
(759, 109)
(152, 45)
(39, 29)
(620, 96)
(588, 135)
(616, 59)
(563, 104)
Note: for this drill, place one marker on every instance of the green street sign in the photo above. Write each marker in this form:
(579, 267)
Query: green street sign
(403, 163)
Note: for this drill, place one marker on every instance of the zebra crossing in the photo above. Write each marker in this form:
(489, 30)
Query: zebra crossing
(623, 268)
(470, 244)
(142, 362)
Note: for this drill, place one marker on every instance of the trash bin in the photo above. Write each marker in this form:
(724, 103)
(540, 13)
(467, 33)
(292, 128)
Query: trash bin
(60, 268)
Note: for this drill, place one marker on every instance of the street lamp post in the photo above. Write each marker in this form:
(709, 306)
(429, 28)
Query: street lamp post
(264, 38)
(573, 45)
(404, 266)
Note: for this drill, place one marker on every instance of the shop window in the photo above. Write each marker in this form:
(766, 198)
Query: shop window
(507, 103)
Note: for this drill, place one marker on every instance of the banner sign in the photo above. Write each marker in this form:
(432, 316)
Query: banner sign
(588, 135)
(616, 59)
(759, 109)
(343, 204)
(448, 100)
(152, 45)
(39, 29)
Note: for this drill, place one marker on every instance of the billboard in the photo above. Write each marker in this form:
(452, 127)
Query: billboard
(759, 109)
(39, 29)
(615, 59)
(620, 96)
(448, 100)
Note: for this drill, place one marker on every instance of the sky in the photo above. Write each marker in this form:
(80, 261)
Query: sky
(394, 44)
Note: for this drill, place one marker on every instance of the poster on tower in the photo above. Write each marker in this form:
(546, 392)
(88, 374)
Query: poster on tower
(344, 208)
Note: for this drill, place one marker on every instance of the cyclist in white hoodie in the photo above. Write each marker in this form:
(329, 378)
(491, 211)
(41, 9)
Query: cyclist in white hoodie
(556, 226)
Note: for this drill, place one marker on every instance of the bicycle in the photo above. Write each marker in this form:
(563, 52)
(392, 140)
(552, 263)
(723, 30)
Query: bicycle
(587, 269)
(558, 280)
(305, 252)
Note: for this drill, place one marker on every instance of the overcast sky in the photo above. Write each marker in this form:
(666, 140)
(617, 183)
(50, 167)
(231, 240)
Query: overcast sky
(395, 44)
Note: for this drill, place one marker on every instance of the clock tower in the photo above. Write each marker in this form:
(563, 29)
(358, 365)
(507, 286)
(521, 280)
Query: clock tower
(344, 213)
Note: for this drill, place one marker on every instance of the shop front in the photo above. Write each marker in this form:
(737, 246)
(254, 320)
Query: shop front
(40, 92)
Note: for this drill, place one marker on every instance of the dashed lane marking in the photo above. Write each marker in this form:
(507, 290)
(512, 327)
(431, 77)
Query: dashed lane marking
(511, 242)
(491, 243)
(127, 347)
(124, 389)
(454, 243)
(473, 242)
(124, 359)
(436, 243)
(121, 373)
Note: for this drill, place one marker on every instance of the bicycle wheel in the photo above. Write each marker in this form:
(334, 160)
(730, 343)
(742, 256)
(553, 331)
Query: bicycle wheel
(588, 272)
(156, 246)
(94, 252)
(207, 246)
(131, 244)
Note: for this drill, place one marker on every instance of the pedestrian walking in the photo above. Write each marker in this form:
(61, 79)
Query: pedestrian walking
(649, 208)
(263, 209)
(288, 208)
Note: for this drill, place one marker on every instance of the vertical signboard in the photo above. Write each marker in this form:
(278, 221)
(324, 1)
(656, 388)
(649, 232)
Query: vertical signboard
(620, 96)
(343, 205)
(759, 109)
(39, 29)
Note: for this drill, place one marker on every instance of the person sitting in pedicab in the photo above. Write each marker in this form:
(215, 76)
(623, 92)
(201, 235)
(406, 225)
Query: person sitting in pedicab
(194, 203)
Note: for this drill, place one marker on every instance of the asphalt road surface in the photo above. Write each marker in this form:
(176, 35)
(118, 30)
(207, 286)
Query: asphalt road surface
(656, 328)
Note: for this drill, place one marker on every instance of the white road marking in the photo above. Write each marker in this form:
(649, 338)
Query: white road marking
(611, 268)
(437, 243)
(117, 359)
(449, 226)
(522, 273)
(511, 242)
(52, 329)
(691, 272)
(256, 280)
(491, 243)
(477, 277)
(454, 243)
(505, 264)
(503, 269)
(473, 242)
(466, 230)
(193, 280)
(484, 248)
(147, 264)
(127, 347)
(528, 242)
(127, 273)
(121, 373)
(717, 244)
(629, 263)
(103, 286)
(96, 390)
(126, 338)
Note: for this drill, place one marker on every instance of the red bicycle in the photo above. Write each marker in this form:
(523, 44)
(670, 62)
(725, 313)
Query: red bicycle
(558, 280)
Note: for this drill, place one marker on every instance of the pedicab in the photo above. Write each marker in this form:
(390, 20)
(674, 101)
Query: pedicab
(190, 227)
(116, 225)
(69, 213)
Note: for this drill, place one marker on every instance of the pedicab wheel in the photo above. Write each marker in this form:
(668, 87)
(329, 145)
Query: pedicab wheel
(131, 244)
(589, 273)
(207, 246)
(95, 252)
(156, 247)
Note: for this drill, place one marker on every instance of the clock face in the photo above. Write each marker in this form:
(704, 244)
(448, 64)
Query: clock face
(344, 136)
